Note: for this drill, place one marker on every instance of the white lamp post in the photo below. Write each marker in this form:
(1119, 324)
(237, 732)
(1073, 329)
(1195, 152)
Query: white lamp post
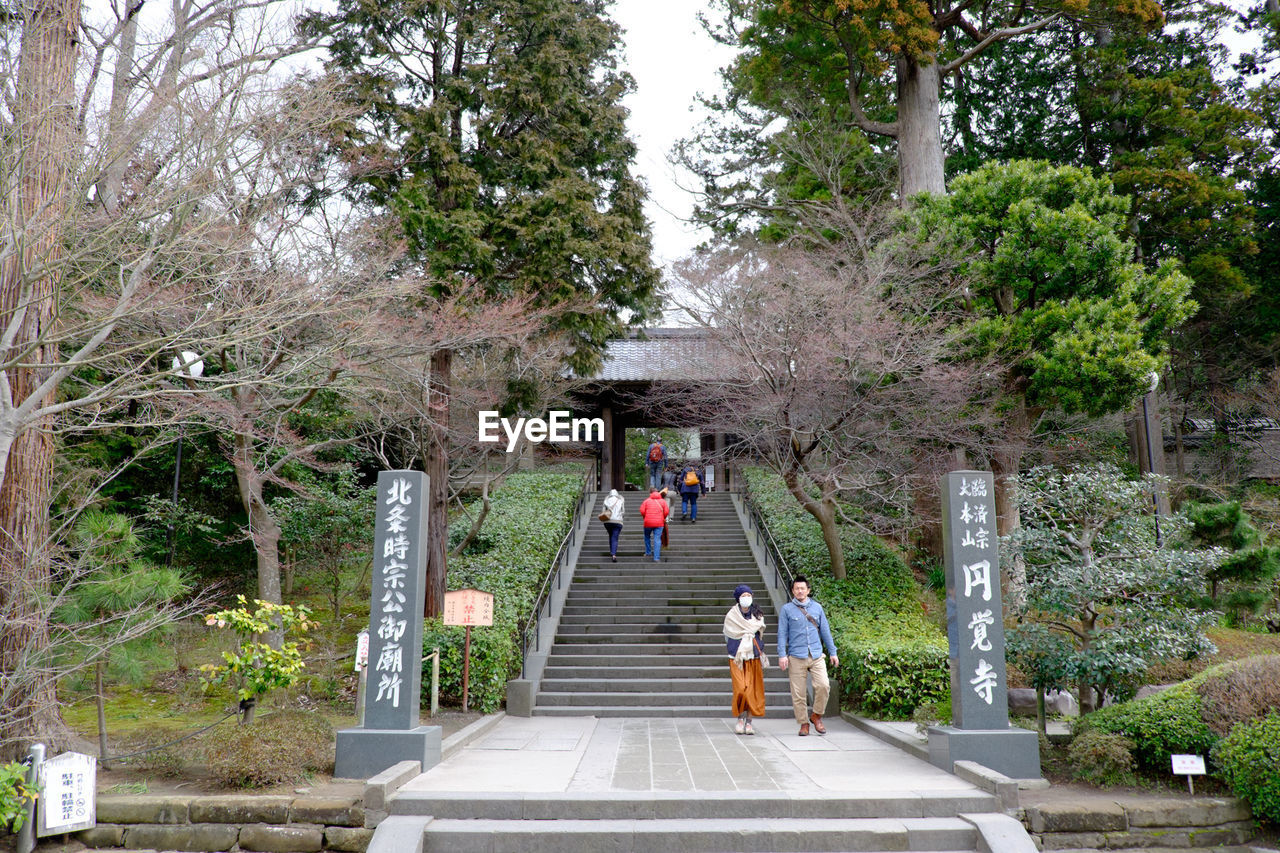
(189, 366)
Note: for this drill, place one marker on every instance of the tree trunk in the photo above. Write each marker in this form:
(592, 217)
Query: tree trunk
(264, 532)
(920, 160)
(1006, 462)
(111, 184)
(825, 513)
(37, 200)
(100, 699)
(438, 471)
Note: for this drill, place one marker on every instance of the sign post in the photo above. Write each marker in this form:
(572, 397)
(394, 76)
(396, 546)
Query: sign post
(391, 731)
(1189, 766)
(468, 607)
(980, 729)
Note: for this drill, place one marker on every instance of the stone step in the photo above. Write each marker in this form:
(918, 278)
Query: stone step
(619, 805)
(604, 670)
(646, 570)
(677, 624)
(852, 835)
(665, 699)
(711, 604)
(634, 683)
(588, 658)
(654, 642)
(775, 711)
(702, 614)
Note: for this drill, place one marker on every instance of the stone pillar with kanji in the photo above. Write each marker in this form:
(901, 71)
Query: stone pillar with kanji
(980, 729)
(391, 732)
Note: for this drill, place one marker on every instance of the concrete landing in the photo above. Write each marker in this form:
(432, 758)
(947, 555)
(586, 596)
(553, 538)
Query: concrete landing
(629, 755)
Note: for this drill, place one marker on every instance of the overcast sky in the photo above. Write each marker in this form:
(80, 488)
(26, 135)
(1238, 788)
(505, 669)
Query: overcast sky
(672, 60)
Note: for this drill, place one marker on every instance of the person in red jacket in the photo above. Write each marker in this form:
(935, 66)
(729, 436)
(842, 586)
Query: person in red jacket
(654, 513)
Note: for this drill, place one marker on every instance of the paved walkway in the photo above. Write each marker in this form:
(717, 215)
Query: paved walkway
(590, 755)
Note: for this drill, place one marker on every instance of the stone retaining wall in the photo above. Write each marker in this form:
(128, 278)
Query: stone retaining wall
(271, 824)
(1166, 822)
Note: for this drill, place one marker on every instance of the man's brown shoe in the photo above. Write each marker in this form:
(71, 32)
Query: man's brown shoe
(804, 730)
(817, 723)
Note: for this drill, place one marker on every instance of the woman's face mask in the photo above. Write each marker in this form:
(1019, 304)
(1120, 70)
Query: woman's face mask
(745, 602)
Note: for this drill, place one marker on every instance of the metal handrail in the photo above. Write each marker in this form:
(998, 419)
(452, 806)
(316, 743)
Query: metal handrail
(772, 553)
(529, 625)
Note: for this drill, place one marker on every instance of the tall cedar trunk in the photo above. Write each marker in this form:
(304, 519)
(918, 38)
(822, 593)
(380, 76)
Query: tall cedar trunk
(37, 201)
(438, 472)
(1006, 461)
(825, 512)
(263, 529)
(920, 160)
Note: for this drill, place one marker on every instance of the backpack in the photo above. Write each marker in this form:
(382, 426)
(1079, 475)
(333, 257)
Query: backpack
(655, 453)
(691, 478)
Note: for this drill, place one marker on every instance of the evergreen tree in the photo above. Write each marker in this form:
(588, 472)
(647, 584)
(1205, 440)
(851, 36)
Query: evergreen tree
(493, 131)
(1056, 299)
(1250, 565)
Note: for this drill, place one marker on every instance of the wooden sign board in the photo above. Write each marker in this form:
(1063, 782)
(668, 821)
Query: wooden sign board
(468, 607)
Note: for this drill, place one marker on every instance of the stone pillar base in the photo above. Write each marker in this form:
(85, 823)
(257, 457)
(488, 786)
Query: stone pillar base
(363, 753)
(1013, 751)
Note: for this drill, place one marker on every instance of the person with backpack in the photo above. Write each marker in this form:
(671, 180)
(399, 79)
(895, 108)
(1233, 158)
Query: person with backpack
(654, 514)
(690, 490)
(614, 507)
(656, 459)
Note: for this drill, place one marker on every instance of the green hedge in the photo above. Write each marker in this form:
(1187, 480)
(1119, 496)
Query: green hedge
(1160, 725)
(1249, 762)
(892, 659)
(528, 515)
(892, 663)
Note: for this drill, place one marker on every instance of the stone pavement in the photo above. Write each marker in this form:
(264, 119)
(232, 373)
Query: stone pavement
(586, 754)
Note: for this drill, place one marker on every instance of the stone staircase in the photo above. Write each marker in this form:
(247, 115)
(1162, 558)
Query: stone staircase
(644, 639)
(696, 822)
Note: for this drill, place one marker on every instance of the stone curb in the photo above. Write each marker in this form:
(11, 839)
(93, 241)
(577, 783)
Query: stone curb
(380, 788)
(1005, 788)
(998, 833)
(888, 734)
(275, 824)
(1210, 822)
(459, 739)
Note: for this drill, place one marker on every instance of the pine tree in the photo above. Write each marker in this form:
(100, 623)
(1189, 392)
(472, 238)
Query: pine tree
(493, 132)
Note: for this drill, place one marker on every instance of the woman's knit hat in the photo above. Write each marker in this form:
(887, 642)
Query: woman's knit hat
(740, 589)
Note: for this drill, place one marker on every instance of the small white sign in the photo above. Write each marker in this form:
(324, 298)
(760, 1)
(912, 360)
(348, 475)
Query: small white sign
(1188, 765)
(362, 650)
(66, 802)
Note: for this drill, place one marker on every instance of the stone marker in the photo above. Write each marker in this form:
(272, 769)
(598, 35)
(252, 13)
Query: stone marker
(980, 729)
(391, 732)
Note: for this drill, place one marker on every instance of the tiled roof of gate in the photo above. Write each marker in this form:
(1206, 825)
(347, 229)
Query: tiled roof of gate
(663, 354)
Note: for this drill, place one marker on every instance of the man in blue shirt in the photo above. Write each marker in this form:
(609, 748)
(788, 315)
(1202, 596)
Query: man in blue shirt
(803, 631)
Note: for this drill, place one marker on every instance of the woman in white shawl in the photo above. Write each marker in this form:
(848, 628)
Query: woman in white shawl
(744, 640)
(614, 506)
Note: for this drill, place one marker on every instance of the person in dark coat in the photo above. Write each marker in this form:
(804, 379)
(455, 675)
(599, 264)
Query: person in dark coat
(690, 480)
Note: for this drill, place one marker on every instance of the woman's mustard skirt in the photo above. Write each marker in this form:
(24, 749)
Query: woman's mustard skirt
(748, 687)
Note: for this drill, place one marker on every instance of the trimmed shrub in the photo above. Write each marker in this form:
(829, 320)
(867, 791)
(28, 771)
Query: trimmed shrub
(1159, 726)
(1249, 762)
(1239, 692)
(1102, 759)
(278, 747)
(892, 663)
(495, 658)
